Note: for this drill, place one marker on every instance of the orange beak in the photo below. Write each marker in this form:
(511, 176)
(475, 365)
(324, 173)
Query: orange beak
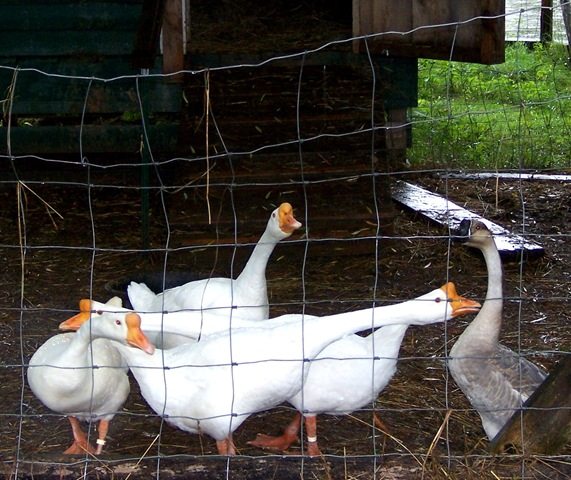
(78, 320)
(135, 336)
(288, 223)
(460, 305)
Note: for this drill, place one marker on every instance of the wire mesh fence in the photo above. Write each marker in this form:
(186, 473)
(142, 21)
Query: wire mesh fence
(252, 136)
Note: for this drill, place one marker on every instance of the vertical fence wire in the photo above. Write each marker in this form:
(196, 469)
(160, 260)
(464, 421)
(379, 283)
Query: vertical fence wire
(443, 116)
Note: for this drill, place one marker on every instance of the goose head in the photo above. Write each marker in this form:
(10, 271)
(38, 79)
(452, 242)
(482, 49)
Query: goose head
(474, 233)
(460, 306)
(282, 223)
(123, 327)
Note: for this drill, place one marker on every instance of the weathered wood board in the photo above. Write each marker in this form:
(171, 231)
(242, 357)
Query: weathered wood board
(509, 176)
(544, 423)
(449, 214)
(468, 31)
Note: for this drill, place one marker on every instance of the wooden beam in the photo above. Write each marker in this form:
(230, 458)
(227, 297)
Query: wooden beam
(471, 30)
(546, 21)
(566, 13)
(509, 176)
(397, 129)
(449, 214)
(174, 37)
(545, 417)
(147, 38)
(95, 139)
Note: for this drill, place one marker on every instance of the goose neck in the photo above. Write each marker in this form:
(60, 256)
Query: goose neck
(259, 257)
(487, 324)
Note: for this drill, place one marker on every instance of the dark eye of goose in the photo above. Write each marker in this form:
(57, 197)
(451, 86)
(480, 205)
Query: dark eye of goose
(117, 322)
(99, 312)
(437, 299)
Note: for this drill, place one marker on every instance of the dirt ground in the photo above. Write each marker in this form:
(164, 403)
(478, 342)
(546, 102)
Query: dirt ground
(332, 266)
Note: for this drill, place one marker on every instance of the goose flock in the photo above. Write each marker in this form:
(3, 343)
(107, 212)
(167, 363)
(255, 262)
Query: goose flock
(206, 355)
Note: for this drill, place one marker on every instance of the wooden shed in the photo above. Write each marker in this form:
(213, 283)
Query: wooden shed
(71, 64)
(104, 40)
(85, 77)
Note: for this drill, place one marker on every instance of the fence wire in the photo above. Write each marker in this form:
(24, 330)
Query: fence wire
(254, 136)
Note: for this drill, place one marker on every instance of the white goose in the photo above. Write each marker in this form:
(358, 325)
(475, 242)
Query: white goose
(84, 377)
(496, 380)
(212, 386)
(248, 291)
(350, 373)
(180, 327)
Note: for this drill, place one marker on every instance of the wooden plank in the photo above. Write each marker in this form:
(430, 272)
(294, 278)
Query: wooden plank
(566, 13)
(103, 67)
(399, 76)
(379, 17)
(397, 131)
(492, 44)
(356, 17)
(509, 176)
(396, 15)
(545, 417)
(95, 138)
(174, 37)
(38, 95)
(67, 42)
(426, 14)
(70, 15)
(146, 41)
(60, 3)
(476, 40)
(449, 215)
(364, 11)
(546, 21)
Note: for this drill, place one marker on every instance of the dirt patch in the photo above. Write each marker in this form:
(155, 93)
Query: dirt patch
(336, 266)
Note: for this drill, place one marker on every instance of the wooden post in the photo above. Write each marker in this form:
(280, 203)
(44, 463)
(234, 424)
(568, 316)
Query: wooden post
(393, 157)
(544, 423)
(148, 33)
(546, 21)
(174, 37)
(566, 12)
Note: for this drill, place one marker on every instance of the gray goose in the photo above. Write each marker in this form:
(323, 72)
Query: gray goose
(495, 379)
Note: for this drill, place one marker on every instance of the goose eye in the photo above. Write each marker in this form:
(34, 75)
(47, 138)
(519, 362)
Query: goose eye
(437, 299)
(99, 312)
(117, 322)
(273, 214)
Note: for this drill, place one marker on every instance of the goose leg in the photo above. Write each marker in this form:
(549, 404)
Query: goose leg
(103, 429)
(226, 446)
(282, 442)
(380, 424)
(311, 430)
(80, 443)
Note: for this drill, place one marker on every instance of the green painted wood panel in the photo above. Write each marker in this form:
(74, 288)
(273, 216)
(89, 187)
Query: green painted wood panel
(30, 17)
(67, 43)
(97, 66)
(95, 139)
(36, 95)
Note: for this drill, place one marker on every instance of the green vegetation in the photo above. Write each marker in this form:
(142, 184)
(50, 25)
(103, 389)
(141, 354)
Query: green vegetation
(509, 116)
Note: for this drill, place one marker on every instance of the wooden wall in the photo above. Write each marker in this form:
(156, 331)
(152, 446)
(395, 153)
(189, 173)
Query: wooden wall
(437, 29)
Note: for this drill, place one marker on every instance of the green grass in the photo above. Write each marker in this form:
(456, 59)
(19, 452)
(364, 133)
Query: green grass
(516, 115)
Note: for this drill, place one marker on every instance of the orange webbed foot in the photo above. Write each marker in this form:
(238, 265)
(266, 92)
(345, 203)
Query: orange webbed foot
(80, 448)
(267, 442)
(80, 444)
